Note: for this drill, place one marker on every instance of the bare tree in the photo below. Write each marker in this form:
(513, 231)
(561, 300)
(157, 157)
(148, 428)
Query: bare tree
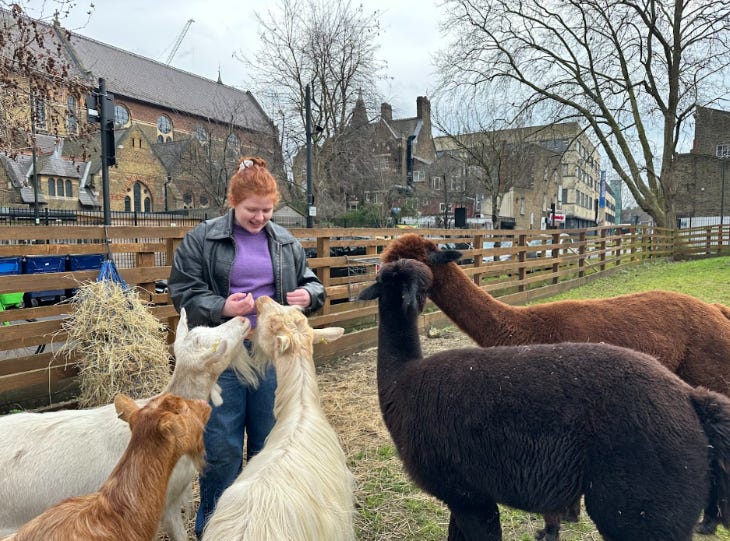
(498, 157)
(329, 45)
(42, 91)
(633, 70)
(203, 163)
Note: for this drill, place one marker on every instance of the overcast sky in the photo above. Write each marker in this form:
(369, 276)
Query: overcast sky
(408, 39)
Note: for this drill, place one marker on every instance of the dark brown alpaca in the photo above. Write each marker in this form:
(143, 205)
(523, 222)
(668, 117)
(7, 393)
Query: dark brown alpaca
(643, 446)
(687, 335)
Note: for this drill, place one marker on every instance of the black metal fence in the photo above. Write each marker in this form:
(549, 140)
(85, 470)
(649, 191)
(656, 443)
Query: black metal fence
(27, 216)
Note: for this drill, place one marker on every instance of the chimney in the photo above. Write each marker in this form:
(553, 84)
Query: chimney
(386, 111)
(423, 112)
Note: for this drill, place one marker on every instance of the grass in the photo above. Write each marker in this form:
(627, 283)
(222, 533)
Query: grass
(389, 506)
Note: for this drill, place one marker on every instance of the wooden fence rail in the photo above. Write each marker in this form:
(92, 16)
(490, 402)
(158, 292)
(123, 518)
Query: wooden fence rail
(516, 266)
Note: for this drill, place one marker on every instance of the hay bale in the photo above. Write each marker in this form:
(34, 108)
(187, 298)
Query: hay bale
(119, 345)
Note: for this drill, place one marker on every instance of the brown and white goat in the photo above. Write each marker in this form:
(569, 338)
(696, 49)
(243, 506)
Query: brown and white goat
(46, 457)
(688, 336)
(129, 504)
(298, 487)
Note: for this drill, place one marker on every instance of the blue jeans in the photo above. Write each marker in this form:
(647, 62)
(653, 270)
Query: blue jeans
(243, 409)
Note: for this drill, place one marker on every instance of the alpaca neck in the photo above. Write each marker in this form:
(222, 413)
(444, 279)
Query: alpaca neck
(474, 310)
(136, 488)
(398, 340)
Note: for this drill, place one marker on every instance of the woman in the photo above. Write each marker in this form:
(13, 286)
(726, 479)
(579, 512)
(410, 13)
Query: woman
(221, 267)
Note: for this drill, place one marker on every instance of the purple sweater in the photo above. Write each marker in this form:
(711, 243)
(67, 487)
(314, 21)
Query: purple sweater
(252, 270)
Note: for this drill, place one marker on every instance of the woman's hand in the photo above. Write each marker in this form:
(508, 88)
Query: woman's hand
(299, 297)
(238, 304)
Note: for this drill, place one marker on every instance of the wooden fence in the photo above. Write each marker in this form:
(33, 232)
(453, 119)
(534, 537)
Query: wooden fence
(516, 266)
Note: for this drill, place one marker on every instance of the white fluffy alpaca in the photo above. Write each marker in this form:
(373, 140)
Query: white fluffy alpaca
(298, 487)
(46, 457)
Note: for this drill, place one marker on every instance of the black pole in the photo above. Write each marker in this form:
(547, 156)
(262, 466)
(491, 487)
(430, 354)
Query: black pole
(722, 194)
(34, 180)
(308, 127)
(105, 152)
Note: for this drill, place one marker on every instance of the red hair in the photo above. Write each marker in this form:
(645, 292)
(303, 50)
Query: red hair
(252, 178)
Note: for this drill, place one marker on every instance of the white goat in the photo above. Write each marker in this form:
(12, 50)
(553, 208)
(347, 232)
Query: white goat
(46, 457)
(298, 487)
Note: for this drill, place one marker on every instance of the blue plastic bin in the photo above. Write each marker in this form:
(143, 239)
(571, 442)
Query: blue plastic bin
(11, 265)
(39, 264)
(83, 262)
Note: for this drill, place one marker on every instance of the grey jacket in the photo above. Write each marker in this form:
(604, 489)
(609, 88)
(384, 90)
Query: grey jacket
(200, 276)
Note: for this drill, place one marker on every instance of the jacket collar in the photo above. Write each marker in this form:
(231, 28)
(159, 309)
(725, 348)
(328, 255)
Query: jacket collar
(222, 227)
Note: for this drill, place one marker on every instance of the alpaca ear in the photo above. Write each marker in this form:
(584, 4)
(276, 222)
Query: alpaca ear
(369, 293)
(282, 343)
(442, 257)
(328, 334)
(125, 406)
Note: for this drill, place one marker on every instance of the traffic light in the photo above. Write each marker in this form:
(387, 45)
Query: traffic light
(100, 108)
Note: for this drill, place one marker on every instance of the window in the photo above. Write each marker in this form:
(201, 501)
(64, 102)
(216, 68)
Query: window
(442, 207)
(121, 116)
(51, 187)
(436, 183)
(164, 124)
(203, 200)
(456, 185)
(188, 199)
(723, 151)
(39, 109)
(69, 189)
(147, 204)
(564, 195)
(127, 204)
(200, 134)
(233, 143)
(59, 187)
(72, 123)
(418, 176)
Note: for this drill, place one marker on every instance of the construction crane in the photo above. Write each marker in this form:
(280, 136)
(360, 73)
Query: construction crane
(179, 40)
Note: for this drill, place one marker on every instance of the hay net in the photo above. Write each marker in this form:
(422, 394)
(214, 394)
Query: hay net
(117, 343)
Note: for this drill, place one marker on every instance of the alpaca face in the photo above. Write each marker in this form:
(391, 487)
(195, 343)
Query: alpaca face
(405, 279)
(413, 246)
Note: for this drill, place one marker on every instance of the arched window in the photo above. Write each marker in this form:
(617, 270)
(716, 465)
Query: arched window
(72, 123)
(138, 198)
(233, 144)
(69, 189)
(164, 124)
(121, 116)
(59, 187)
(188, 199)
(203, 200)
(200, 134)
(51, 187)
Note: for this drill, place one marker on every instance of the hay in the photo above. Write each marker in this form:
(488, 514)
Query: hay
(119, 346)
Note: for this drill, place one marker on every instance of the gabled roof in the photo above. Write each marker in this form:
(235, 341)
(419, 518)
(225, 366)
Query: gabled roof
(139, 78)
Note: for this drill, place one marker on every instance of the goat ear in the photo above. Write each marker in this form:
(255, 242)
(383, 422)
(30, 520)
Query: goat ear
(328, 334)
(442, 257)
(282, 343)
(214, 355)
(369, 293)
(182, 326)
(125, 407)
(215, 395)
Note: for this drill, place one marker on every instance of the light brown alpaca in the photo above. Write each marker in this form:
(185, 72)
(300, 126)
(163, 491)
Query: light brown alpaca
(687, 335)
(129, 504)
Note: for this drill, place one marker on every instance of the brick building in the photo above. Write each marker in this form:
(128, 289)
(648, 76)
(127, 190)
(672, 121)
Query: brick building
(700, 173)
(177, 137)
